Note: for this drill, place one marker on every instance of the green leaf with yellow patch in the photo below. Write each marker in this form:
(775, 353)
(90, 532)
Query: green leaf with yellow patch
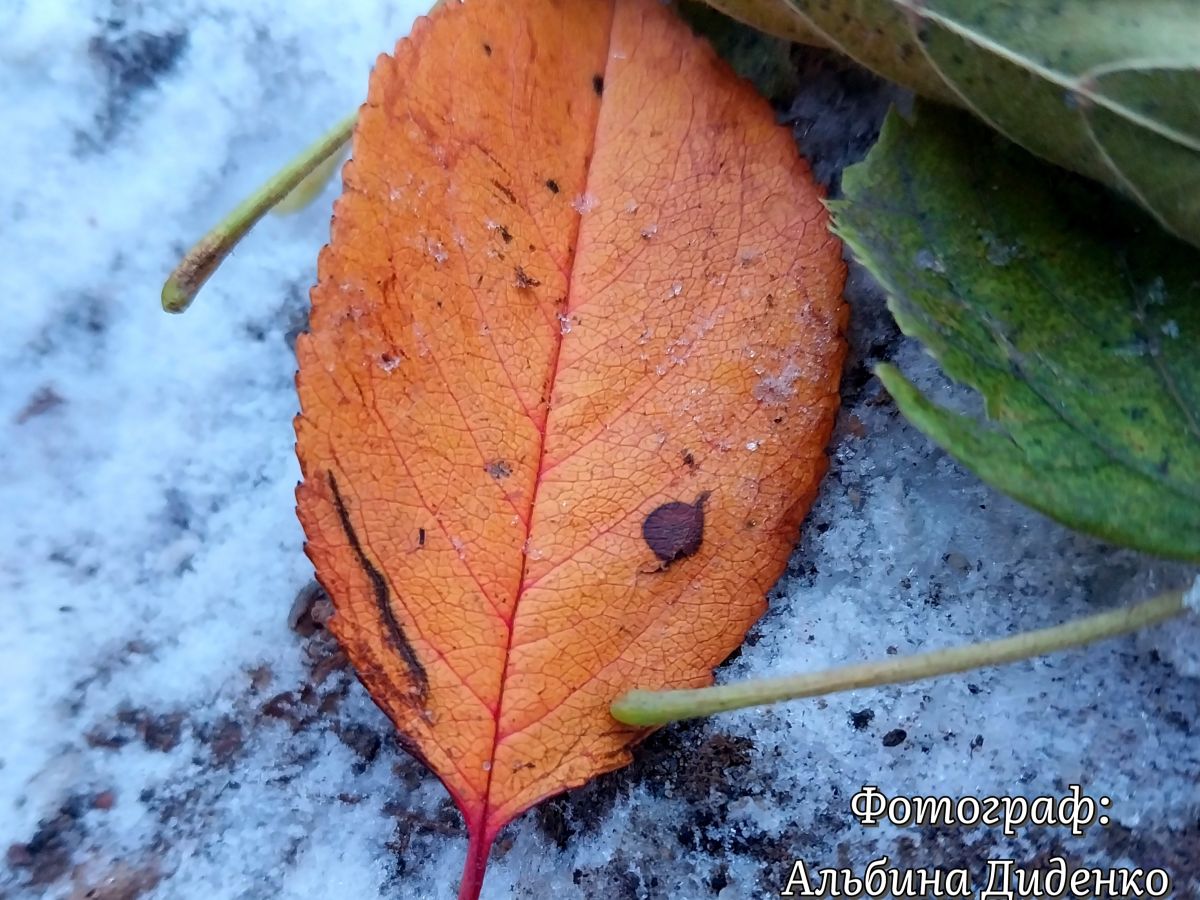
(1076, 319)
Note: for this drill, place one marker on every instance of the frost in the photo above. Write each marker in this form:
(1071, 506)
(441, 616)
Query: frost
(584, 204)
(928, 260)
(778, 389)
(998, 252)
(650, 230)
(676, 289)
(436, 250)
(149, 550)
(419, 335)
(1176, 642)
(1191, 599)
(564, 323)
(1156, 292)
(751, 446)
(1137, 347)
(1170, 328)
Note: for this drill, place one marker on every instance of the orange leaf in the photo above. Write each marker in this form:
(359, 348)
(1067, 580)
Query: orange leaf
(573, 363)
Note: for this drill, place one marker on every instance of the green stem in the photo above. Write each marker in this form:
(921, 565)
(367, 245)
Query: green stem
(661, 707)
(210, 251)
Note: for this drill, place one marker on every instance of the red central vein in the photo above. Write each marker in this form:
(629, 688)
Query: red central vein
(481, 839)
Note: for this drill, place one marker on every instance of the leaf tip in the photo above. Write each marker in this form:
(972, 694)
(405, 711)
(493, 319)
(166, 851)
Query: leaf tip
(893, 381)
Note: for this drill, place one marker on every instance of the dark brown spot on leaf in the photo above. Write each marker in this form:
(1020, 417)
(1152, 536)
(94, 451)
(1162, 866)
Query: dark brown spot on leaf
(487, 48)
(598, 84)
(675, 530)
(553, 185)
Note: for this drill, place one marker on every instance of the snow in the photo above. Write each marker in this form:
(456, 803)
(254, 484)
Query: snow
(167, 734)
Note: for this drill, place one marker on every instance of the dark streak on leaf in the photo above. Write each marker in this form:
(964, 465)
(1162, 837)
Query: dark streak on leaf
(505, 190)
(382, 597)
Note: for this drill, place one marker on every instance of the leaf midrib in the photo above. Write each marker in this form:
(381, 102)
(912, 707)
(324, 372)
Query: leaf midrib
(560, 337)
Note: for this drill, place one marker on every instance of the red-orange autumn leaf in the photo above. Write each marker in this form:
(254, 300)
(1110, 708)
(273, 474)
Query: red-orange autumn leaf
(573, 363)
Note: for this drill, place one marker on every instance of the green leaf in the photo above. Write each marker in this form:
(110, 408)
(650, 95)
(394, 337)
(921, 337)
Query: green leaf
(1108, 88)
(1075, 318)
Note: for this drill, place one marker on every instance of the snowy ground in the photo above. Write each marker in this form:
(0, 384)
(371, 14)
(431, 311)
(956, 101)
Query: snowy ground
(167, 734)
